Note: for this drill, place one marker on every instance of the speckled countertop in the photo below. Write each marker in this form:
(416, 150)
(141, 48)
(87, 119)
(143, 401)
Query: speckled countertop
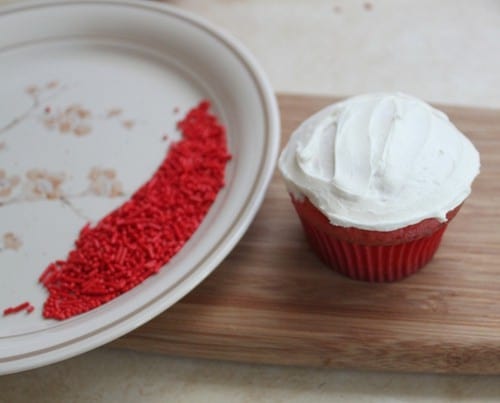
(443, 51)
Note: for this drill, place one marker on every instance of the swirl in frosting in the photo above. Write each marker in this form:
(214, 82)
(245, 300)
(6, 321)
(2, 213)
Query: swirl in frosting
(380, 162)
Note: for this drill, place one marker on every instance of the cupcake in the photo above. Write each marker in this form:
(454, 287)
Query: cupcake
(375, 179)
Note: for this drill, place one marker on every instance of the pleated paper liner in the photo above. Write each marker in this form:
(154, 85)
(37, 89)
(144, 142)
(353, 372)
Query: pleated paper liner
(374, 256)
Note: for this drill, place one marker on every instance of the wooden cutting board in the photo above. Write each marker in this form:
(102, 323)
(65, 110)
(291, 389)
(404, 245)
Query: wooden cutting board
(272, 301)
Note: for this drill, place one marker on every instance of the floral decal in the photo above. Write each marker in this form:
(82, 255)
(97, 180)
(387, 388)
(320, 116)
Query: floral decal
(7, 183)
(35, 183)
(104, 182)
(74, 119)
(41, 184)
(11, 241)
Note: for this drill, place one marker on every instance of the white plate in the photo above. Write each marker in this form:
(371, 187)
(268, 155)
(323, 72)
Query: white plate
(129, 66)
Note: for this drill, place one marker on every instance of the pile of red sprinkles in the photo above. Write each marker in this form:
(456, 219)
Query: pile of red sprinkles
(137, 239)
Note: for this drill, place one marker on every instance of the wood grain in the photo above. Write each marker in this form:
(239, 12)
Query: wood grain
(272, 301)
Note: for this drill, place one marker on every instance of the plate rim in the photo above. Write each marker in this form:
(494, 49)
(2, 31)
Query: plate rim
(133, 319)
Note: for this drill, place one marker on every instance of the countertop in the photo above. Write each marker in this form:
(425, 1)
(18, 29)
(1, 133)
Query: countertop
(445, 52)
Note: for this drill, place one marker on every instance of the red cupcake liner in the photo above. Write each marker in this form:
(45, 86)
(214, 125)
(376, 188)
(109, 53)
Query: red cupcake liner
(374, 256)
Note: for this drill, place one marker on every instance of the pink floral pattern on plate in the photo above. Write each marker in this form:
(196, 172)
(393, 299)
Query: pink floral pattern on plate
(74, 119)
(41, 184)
(104, 182)
(11, 241)
(7, 183)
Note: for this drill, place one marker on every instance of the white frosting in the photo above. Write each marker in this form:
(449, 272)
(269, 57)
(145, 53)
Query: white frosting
(380, 162)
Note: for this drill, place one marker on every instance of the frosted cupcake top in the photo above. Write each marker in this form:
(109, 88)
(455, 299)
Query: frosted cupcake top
(380, 162)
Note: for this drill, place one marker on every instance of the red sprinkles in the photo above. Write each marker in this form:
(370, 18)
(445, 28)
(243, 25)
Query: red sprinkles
(25, 306)
(137, 239)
